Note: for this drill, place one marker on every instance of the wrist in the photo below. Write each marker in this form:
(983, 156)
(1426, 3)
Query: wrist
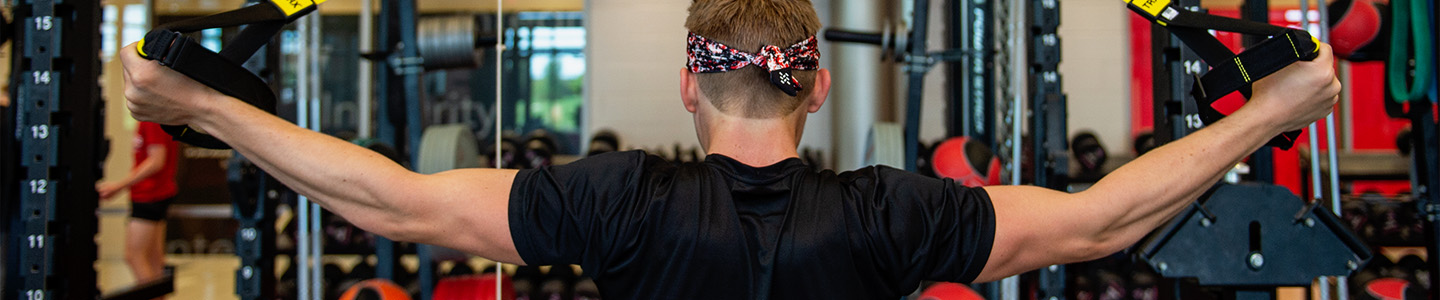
(1255, 118)
(206, 115)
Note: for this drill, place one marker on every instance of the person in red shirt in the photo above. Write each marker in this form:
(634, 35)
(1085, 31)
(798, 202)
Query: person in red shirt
(152, 190)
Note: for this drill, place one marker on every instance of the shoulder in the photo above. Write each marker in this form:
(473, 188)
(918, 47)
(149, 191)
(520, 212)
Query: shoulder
(885, 175)
(617, 161)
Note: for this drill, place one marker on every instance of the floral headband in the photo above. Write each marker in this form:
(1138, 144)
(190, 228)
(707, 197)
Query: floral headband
(709, 56)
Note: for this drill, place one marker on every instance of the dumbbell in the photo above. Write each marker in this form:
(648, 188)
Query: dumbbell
(604, 141)
(1144, 143)
(557, 283)
(1089, 153)
(526, 281)
(586, 289)
(540, 149)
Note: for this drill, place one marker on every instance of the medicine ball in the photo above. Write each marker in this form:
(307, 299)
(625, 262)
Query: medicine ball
(1359, 30)
(949, 291)
(375, 289)
(967, 161)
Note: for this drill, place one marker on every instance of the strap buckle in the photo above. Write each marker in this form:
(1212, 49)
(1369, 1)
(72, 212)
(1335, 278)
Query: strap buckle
(162, 46)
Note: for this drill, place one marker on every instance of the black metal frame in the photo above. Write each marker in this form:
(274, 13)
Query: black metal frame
(973, 79)
(1175, 69)
(1047, 119)
(58, 119)
(1424, 179)
(397, 80)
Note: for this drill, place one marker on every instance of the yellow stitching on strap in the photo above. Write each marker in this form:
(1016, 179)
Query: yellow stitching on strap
(291, 7)
(1292, 45)
(140, 47)
(1243, 74)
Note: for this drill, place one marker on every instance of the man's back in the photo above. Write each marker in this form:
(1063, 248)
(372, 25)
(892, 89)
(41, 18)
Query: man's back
(649, 229)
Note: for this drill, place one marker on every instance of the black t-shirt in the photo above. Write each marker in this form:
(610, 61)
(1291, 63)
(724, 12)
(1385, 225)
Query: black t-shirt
(645, 228)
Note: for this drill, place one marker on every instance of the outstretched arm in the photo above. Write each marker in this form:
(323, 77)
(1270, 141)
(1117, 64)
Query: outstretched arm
(461, 209)
(1037, 227)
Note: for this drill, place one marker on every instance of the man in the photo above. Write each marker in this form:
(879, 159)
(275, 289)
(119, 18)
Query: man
(152, 190)
(750, 222)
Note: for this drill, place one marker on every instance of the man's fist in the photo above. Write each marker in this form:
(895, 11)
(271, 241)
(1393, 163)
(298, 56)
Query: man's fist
(1299, 94)
(158, 94)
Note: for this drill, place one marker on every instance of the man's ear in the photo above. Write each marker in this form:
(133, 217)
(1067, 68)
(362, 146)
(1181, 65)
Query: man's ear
(822, 91)
(689, 90)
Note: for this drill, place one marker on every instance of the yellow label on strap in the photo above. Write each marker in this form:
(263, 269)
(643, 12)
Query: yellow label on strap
(291, 7)
(1151, 7)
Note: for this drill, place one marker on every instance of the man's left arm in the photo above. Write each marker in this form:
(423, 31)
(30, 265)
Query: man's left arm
(1037, 227)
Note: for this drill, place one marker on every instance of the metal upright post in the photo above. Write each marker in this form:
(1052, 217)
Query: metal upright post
(972, 91)
(57, 136)
(255, 196)
(1048, 119)
(916, 64)
(1175, 69)
(1425, 178)
(396, 87)
(1262, 162)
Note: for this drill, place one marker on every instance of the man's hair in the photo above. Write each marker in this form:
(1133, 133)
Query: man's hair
(748, 25)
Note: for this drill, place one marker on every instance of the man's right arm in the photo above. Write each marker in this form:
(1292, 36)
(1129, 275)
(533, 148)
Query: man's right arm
(1036, 227)
(462, 209)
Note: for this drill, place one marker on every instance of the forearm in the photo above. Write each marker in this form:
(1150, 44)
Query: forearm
(342, 177)
(146, 168)
(1141, 195)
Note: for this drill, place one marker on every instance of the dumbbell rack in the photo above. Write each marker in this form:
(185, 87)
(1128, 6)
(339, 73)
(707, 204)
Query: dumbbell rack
(58, 121)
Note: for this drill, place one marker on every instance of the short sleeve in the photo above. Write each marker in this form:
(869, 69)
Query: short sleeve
(558, 214)
(151, 134)
(948, 228)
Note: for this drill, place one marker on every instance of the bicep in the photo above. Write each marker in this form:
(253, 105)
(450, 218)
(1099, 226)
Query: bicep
(1036, 227)
(468, 210)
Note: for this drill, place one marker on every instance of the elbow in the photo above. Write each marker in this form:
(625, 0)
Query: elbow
(393, 228)
(1100, 246)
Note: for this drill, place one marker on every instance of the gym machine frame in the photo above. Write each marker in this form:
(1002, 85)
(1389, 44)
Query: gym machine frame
(396, 77)
(56, 152)
(1188, 246)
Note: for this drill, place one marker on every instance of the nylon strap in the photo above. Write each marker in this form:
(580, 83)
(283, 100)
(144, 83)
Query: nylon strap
(223, 71)
(1230, 72)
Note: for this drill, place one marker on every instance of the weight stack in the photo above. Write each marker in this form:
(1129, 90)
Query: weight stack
(55, 151)
(1047, 120)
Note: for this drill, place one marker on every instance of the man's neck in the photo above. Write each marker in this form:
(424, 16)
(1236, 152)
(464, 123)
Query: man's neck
(754, 142)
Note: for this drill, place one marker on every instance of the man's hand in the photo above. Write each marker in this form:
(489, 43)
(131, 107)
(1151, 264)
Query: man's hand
(158, 94)
(1297, 95)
